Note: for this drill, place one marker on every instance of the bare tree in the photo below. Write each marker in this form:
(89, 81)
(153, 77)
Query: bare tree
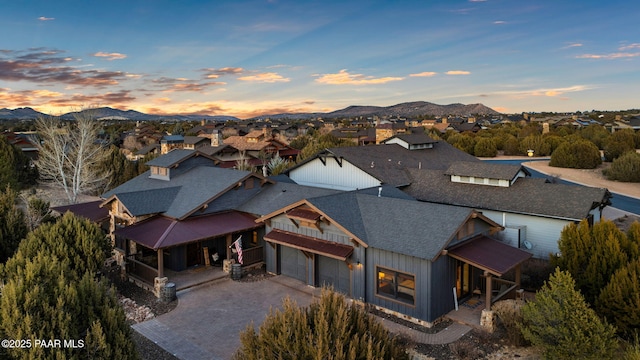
(69, 155)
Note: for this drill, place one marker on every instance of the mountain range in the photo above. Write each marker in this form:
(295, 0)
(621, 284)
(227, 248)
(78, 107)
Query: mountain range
(408, 109)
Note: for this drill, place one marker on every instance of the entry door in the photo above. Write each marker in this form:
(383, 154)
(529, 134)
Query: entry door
(193, 254)
(463, 279)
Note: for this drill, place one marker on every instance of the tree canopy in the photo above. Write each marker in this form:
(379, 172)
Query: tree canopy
(328, 329)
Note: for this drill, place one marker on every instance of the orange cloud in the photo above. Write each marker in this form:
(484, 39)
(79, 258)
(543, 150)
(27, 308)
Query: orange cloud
(268, 77)
(458, 72)
(344, 78)
(424, 74)
(110, 56)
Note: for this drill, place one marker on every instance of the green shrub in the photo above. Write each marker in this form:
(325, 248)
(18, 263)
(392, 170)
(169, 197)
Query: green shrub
(328, 329)
(485, 147)
(619, 301)
(562, 325)
(625, 168)
(619, 143)
(579, 154)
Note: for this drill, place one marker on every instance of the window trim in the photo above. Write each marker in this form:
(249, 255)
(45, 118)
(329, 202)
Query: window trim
(396, 275)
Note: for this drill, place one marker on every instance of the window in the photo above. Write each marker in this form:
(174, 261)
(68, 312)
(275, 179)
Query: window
(396, 285)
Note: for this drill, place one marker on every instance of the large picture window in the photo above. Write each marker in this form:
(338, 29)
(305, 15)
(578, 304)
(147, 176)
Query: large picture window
(396, 285)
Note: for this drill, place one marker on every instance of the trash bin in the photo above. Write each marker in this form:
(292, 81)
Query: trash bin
(168, 293)
(236, 271)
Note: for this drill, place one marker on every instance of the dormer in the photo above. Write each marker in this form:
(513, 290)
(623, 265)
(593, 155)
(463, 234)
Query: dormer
(159, 172)
(482, 173)
(412, 141)
(160, 168)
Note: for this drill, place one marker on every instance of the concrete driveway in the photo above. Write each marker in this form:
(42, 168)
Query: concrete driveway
(208, 320)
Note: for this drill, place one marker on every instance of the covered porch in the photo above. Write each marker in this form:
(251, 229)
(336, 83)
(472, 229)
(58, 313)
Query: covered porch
(492, 259)
(159, 248)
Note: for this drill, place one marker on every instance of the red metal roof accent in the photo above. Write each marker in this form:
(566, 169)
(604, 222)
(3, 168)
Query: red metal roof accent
(489, 254)
(161, 232)
(310, 244)
(304, 214)
(88, 210)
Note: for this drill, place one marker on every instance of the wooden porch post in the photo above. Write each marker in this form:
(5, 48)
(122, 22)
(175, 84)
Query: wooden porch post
(227, 247)
(160, 263)
(488, 291)
(518, 277)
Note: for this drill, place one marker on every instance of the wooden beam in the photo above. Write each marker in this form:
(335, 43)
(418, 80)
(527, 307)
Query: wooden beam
(354, 242)
(488, 291)
(160, 263)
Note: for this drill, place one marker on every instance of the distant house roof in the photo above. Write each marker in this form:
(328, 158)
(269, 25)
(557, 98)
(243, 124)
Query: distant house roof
(176, 156)
(483, 169)
(525, 196)
(89, 210)
(413, 139)
(148, 149)
(388, 162)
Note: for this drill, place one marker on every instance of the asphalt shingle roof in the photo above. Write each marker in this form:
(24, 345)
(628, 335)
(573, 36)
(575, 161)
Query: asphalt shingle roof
(524, 196)
(171, 158)
(388, 162)
(407, 227)
(481, 169)
(178, 197)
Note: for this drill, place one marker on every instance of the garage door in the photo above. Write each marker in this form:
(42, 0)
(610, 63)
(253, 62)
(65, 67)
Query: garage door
(293, 263)
(335, 273)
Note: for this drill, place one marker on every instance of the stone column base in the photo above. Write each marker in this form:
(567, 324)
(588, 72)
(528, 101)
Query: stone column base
(487, 320)
(158, 284)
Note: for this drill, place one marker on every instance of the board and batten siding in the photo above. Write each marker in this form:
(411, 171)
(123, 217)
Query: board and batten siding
(329, 233)
(542, 233)
(332, 176)
(419, 268)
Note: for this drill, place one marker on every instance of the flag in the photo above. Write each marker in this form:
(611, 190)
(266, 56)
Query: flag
(238, 245)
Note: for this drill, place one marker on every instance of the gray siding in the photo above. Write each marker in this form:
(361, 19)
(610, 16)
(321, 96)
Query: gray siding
(542, 233)
(419, 268)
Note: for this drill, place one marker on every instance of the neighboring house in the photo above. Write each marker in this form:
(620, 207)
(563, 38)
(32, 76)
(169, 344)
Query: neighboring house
(533, 211)
(167, 216)
(361, 167)
(401, 255)
(26, 142)
(253, 146)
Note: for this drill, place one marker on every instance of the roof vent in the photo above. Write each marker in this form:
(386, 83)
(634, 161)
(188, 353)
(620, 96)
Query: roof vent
(379, 191)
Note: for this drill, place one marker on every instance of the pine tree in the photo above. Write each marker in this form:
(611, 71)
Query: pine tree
(77, 241)
(16, 169)
(591, 255)
(13, 227)
(328, 329)
(560, 322)
(619, 301)
(52, 292)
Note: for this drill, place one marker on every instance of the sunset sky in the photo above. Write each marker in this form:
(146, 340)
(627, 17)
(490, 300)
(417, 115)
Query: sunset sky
(248, 58)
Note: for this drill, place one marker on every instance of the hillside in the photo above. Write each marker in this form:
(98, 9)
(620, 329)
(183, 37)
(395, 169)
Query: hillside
(408, 109)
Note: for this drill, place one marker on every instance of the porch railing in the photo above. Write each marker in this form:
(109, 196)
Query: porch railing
(141, 270)
(252, 255)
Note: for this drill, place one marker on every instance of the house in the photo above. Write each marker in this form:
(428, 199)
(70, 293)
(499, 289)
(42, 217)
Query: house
(182, 208)
(398, 254)
(532, 211)
(361, 167)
